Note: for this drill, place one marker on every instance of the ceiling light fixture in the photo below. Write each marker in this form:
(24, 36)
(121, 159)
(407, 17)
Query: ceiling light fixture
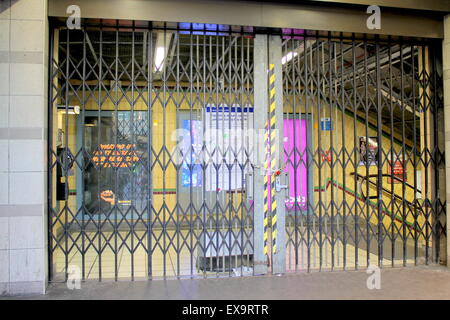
(68, 109)
(162, 46)
(159, 58)
(288, 57)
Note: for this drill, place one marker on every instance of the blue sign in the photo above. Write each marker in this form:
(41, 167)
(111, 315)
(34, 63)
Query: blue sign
(325, 124)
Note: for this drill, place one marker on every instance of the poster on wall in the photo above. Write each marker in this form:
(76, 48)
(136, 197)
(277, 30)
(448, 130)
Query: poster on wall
(368, 151)
(191, 170)
(396, 168)
(296, 160)
(225, 139)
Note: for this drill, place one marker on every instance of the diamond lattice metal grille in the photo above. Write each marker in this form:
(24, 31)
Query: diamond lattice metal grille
(362, 132)
(150, 179)
(137, 187)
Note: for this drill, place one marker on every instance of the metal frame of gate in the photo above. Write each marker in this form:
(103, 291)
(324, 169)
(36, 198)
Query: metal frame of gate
(135, 217)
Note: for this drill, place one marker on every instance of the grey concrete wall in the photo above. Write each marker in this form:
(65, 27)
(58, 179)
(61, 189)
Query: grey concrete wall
(23, 117)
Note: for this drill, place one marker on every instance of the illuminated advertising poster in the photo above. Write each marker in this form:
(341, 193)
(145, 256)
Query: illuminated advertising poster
(115, 155)
(191, 170)
(295, 158)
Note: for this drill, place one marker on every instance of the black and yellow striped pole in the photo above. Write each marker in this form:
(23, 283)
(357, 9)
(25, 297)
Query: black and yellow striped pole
(273, 162)
(266, 191)
(270, 209)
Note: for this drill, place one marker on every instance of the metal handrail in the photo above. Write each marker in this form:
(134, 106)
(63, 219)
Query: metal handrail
(386, 175)
(366, 177)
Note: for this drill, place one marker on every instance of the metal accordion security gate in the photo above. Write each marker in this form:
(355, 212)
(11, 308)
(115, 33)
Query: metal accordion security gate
(170, 146)
(135, 190)
(364, 151)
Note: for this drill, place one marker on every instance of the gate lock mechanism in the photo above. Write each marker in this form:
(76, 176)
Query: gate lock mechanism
(278, 185)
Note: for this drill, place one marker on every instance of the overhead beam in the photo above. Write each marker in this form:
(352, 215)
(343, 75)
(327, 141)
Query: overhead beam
(257, 14)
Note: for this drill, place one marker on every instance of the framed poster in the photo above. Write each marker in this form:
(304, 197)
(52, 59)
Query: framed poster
(368, 151)
(227, 126)
(191, 169)
(296, 160)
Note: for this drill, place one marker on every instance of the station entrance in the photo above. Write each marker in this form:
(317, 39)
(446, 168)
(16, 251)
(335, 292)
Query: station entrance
(195, 150)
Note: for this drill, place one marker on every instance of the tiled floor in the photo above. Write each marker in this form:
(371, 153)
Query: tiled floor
(183, 264)
(426, 282)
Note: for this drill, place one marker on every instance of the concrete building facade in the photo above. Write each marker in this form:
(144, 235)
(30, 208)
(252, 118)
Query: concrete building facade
(24, 67)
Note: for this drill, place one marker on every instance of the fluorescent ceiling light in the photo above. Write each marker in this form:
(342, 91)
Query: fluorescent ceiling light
(288, 57)
(159, 58)
(161, 50)
(69, 110)
(292, 54)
